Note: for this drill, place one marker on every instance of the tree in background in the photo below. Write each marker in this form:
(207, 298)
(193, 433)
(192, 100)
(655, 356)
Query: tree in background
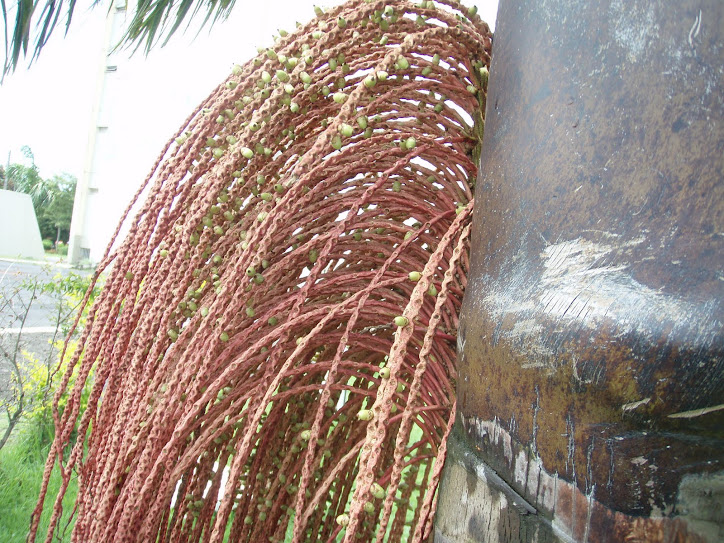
(26, 178)
(52, 198)
(54, 217)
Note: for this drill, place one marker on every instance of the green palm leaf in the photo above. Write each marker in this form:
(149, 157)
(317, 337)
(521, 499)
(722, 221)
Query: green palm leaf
(36, 20)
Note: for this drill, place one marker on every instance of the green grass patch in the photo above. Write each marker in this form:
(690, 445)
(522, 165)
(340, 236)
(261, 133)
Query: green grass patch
(22, 461)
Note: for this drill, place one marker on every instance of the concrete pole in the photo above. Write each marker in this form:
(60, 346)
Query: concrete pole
(7, 172)
(88, 184)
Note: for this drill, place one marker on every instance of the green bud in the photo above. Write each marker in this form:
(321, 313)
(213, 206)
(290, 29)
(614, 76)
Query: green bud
(273, 321)
(362, 121)
(410, 143)
(377, 491)
(346, 130)
(250, 312)
(432, 291)
(224, 337)
(484, 74)
(305, 77)
(365, 414)
(415, 276)
(339, 97)
(385, 373)
(382, 75)
(370, 81)
(247, 153)
(401, 321)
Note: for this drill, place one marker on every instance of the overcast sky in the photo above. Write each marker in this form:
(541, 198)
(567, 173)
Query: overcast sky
(48, 106)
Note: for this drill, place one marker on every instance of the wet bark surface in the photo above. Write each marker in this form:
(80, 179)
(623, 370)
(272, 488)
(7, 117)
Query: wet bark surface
(591, 343)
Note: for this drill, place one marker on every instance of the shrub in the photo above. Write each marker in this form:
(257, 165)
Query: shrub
(47, 244)
(32, 382)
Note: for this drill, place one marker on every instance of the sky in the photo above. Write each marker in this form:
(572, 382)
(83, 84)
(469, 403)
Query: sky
(48, 106)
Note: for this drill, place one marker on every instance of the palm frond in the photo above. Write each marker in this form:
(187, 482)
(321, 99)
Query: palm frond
(156, 19)
(152, 20)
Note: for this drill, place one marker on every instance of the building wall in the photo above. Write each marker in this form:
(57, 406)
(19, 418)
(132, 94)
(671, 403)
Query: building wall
(19, 231)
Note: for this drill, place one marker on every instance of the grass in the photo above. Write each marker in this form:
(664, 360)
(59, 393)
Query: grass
(22, 461)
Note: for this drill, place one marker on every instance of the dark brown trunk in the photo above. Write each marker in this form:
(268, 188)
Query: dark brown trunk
(591, 375)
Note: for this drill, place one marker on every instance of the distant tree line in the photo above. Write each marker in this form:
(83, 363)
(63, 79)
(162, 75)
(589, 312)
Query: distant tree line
(52, 198)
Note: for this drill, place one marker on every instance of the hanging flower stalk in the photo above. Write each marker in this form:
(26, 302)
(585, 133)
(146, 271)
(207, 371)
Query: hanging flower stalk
(274, 348)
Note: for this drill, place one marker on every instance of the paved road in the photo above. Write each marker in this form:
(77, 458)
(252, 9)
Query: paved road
(42, 312)
(39, 328)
